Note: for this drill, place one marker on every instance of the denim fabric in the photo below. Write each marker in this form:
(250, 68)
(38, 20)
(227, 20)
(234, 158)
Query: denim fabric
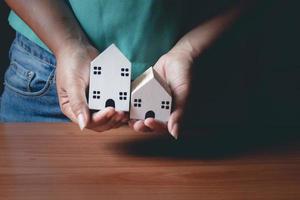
(30, 92)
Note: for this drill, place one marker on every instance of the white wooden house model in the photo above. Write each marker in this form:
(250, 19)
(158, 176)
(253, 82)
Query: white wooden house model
(110, 76)
(150, 97)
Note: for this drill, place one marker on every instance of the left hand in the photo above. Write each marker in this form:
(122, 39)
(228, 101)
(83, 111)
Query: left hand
(175, 68)
(72, 79)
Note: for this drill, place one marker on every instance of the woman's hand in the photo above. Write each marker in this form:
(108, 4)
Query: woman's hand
(57, 27)
(175, 68)
(72, 79)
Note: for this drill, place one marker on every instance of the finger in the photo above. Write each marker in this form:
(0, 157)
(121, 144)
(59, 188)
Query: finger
(120, 118)
(126, 117)
(121, 123)
(118, 125)
(103, 116)
(155, 125)
(104, 127)
(139, 126)
(111, 123)
(78, 102)
(116, 119)
(109, 119)
(132, 122)
(65, 105)
(100, 120)
(173, 123)
(66, 109)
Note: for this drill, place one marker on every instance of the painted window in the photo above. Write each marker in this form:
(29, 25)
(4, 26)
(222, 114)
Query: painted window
(97, 70)
(165, 105)
(137, 102)
(125, 72)
(96, 94)
(123, 95)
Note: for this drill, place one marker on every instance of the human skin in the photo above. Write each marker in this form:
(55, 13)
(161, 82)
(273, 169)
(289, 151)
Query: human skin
(74, 53)
(176, 67)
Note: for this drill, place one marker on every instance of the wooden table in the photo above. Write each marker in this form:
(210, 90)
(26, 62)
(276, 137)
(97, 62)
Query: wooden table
(57, 161)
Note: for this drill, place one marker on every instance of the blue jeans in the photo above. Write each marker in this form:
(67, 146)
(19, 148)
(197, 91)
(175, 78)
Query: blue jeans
(30, 91)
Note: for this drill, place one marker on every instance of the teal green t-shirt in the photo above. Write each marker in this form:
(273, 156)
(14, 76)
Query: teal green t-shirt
(143, 29)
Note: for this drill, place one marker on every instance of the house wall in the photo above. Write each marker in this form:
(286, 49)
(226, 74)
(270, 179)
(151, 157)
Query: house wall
(151, 94)
(112, 83)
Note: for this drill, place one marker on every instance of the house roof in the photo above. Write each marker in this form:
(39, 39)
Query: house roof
(112, 52)
(148, 75)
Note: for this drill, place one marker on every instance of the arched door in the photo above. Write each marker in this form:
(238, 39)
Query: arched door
(110, 103)
(150, 114)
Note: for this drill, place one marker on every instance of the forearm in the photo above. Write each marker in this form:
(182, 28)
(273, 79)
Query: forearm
(201, 37)
(51, 20)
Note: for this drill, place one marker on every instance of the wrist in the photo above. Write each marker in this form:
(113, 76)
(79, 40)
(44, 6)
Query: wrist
(70, 44)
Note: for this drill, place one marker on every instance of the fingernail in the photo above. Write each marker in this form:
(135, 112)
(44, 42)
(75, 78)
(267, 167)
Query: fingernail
(81, 121)
(174, 131)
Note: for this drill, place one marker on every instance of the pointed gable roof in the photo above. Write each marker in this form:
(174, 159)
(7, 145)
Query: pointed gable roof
(162, 82)
(111, 52)
(148, 75)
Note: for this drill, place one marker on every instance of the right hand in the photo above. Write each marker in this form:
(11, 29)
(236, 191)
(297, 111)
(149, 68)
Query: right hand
(72, 79)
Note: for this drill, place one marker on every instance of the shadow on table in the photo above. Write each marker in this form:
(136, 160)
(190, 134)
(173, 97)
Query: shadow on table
(213, 144)
(250, 76)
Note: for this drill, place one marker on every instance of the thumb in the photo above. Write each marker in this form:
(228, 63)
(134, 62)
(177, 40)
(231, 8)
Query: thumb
(174, 122)
(78, 103)
(180, 94)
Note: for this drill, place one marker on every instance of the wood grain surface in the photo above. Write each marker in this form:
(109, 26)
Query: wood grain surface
(57, 161)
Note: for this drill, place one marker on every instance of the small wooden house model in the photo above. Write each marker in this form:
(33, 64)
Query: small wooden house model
(110, 76)
(150, 97)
